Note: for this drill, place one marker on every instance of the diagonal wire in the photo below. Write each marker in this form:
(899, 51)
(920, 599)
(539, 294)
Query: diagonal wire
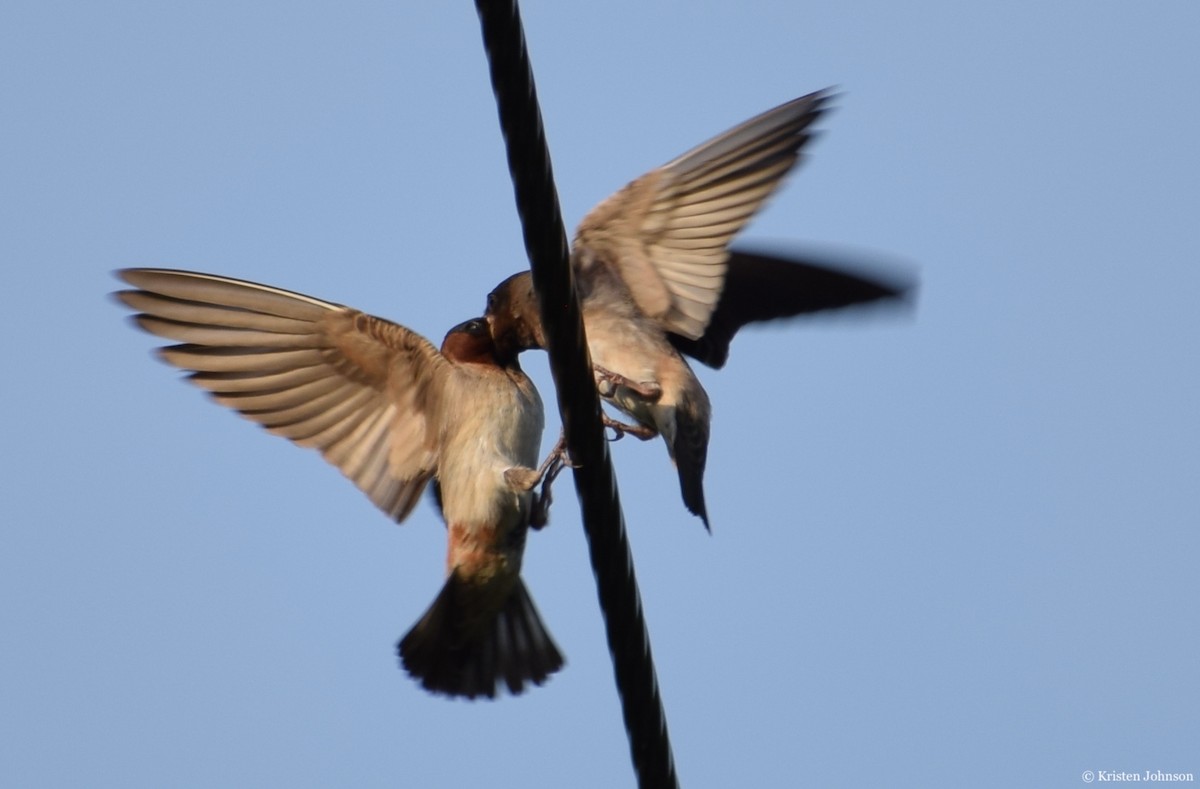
(595, 483)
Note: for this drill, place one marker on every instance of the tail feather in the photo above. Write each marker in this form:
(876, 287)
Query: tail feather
(690, 452)
(454, 651)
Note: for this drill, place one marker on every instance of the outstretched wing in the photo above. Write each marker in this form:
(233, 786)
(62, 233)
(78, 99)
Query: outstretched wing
(765, 287)
(361, 390)
(666, 234)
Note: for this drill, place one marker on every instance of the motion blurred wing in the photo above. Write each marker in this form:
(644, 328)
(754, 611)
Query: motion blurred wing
(764, 287)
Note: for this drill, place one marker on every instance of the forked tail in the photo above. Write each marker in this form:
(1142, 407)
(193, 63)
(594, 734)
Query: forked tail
(461, 648)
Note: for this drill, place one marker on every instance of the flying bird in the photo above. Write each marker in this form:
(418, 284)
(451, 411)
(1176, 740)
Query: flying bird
(656, 279)
(392, 412)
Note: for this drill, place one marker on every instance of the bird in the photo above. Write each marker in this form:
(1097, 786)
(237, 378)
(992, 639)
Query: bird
(392, 412)
(657, 279)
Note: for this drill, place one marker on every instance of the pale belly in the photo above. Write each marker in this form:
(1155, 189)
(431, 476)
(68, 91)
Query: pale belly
(499, 432)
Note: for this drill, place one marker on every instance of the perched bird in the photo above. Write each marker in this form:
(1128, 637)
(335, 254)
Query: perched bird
(391, 412)
(656, 279)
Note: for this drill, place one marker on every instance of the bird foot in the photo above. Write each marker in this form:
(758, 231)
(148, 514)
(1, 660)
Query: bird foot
(621, 429)
(607, 382)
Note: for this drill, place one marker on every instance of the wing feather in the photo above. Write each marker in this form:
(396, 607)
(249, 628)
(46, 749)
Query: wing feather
(251, 382)
(361, 390)
(665, 231)
(760, 287)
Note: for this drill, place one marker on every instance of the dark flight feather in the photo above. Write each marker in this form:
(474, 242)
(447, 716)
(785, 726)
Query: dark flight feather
(766, 287)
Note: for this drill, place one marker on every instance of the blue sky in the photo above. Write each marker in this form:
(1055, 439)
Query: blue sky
(957, 547)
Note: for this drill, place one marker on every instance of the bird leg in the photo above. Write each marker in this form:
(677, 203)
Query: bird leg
(524, 479)
(621, 428)
(539, 515)
(607, 382)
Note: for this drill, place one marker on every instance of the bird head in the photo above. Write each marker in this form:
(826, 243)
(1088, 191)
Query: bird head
(470, 342)
(514, 315)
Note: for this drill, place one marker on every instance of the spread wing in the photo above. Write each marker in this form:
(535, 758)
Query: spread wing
(361, 390)
(666, 233)
(764, 287)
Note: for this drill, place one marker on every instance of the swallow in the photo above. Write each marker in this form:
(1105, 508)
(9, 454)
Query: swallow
(392, 412)
(656, 279)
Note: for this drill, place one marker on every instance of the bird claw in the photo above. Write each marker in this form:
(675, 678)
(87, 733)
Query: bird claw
(607, 383)
(621, 429)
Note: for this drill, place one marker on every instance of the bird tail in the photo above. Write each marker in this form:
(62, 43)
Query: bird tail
(690, 451)
(456, 651)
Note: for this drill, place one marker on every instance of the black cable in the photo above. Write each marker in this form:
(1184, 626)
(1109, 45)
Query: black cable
(595, 483)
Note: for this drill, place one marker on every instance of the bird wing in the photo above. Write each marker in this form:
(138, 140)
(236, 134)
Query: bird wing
(666, 233)
(361, 390)
(765, 287)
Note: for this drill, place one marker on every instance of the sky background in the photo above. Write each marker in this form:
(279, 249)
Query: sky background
(956, 547)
